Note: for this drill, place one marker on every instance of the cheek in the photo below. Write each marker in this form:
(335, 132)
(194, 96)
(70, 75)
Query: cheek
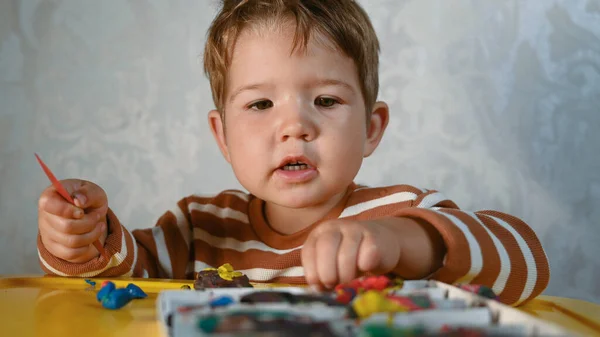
(243, 154)
(239, 135)
(246, 147)
(346, 149)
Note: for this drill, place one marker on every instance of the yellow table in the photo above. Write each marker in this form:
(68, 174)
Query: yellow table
(55, 306)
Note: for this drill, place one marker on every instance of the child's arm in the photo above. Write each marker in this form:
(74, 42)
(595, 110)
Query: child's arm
(159, 252)
(484, 247)
(421, 234)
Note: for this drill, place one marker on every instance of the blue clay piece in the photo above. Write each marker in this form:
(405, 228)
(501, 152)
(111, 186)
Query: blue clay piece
(117, 299)
(90, 282)
(135, 291)
(222, 301)
(104, 291)
(112, 297)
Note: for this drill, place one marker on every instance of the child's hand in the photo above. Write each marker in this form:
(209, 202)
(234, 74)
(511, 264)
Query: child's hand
(68, 231)
(338, 250)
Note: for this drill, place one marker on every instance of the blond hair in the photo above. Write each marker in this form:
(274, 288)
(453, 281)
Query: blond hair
(344, 22)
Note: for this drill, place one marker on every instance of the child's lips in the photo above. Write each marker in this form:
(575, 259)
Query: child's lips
(296, 169)
(296, 176)
(292, 159)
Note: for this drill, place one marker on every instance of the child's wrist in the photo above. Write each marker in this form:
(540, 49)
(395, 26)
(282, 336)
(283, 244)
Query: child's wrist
(421, 248)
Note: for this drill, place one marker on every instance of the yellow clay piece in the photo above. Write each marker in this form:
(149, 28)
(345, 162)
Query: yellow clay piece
(226, 272)
(372, 302)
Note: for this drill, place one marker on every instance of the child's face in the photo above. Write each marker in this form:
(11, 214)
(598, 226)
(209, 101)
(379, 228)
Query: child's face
(284, 108)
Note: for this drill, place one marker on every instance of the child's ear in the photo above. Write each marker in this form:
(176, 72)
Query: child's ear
(217, 126)
(377, 123)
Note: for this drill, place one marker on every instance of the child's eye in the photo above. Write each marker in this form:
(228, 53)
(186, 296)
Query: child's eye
(326, 102)
(261, 105)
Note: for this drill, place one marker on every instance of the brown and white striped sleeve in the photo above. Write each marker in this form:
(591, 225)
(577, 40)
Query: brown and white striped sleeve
(162, 251)
(486, 247)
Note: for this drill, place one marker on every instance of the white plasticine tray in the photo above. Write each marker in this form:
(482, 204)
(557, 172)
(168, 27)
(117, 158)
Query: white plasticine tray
(454, 307)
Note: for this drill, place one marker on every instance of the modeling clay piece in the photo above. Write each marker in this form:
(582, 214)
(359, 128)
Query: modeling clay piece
(347, 291)
(188, 308)
(463, 332)
(267, 323)
(372, 302)
(234, 321)
(135, 291)
(480, 290)
(90, 282)
(222, 277)
(413, 302)
(345, 295)
(285, 297)
(113, 298)
(117, 299)
(107, 287)
(384, 330)
(222, 301)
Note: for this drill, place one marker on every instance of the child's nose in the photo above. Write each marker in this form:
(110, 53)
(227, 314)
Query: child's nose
(297, 124)
(296, 131)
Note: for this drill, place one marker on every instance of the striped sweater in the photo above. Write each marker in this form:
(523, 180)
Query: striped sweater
(484, 247)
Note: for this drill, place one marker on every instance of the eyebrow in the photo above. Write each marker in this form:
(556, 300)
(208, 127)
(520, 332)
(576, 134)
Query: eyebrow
(243, 88)
(332, 82)
(318, 83)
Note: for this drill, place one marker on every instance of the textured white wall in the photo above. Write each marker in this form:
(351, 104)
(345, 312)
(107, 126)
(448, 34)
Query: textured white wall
(496, 103)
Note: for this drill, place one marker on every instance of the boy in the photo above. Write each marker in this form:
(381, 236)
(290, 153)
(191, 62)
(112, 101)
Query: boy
(295, 86)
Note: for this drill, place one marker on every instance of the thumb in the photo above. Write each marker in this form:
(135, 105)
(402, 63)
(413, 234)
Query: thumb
(89, 195)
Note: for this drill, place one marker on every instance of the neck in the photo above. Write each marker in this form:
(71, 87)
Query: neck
(287, 220)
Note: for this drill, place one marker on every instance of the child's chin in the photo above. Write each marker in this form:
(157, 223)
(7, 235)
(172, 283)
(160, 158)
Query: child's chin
(296, 201)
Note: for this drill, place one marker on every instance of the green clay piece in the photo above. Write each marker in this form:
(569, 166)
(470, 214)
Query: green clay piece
(422, 301)
(208, 324)
(382, 330)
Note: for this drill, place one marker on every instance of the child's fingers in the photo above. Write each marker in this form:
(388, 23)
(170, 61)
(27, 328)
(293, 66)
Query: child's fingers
(308, 258)
(369, 255)
(51, 202)
(327, 246)
(348, 255)
(72, 226)
(73, 255)
(75, 241)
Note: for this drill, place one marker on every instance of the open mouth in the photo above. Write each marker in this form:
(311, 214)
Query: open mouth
(295, 166)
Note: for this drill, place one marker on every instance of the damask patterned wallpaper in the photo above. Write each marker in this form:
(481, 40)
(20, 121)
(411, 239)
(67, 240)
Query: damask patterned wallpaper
(496, 103)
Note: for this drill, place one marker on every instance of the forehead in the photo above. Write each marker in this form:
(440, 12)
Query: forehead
(285, 29)
(267, 52)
